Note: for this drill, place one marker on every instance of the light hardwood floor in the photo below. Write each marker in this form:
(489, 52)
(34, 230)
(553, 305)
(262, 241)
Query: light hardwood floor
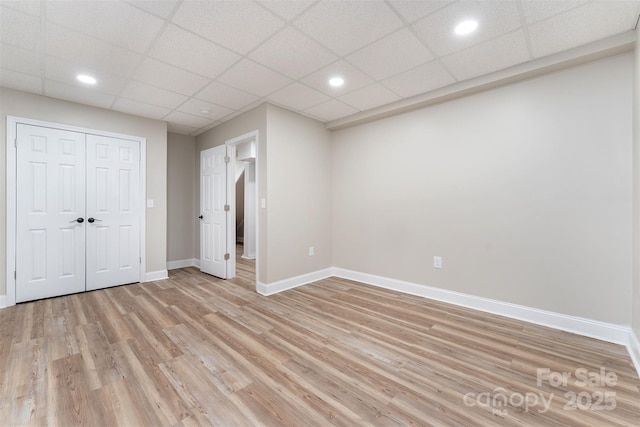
(196, 350)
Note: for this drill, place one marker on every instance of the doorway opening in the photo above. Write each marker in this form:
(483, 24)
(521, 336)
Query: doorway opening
(242, 196)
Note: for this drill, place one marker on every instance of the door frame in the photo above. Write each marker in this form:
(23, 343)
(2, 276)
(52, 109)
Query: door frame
(11, 193)
(231, 200)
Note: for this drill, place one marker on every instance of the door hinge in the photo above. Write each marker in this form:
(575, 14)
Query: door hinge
(226, 208)
(226, 257)
(15, 275)
(15, 142)
(140, 260)
(227, 159)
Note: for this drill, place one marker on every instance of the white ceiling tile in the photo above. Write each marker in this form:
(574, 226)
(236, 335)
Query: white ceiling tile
(140, 109)
(32, 7)
(369, 97)
(184, 49)
(161, 8)
(204, 129)
(297, 97)
(393, 54)
(494, 55)
(353, 79)
(111, 21)
(169, 77)
(287, 9)
(331, 110)
(422, 79)
(17, 59)
(536, 10)
(77, 94)
(185, 119)
(412, 10)
(226, 96)
(193, 107)
(65, 72)
(252, 106)
(152, 95)
(344, 26)
(494, 19)
(253, 78)
(181, 129)
(19, 29)
(90, 52)
(582, 25)
(293, 54)
(20, 81)
(238, 25)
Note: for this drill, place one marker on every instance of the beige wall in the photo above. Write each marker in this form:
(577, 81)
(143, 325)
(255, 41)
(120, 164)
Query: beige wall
(250, 121)
(181, 217)
(635, 324)
(298, 195)
(525, 191)
(294, 157)
(21, 104)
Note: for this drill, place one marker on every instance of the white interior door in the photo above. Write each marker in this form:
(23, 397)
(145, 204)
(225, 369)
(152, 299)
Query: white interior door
(50, 226)
(213, 215)
(113, 214)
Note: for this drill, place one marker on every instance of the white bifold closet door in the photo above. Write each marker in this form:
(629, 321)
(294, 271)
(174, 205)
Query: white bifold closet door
(78, 223)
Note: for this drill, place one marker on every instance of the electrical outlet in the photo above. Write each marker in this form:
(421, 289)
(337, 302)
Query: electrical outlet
(437, 262)
(311, 251)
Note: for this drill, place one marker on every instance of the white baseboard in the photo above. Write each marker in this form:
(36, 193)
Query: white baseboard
(172, 265)
(633, 347)
(618, 334)
(152, 276)
(293, 282)
(3, 301)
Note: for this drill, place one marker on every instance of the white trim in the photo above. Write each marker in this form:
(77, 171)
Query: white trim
(618, 334)
(152, 276)
(172, 265)
(293, 282)
(11, 201)
(3, 301)
(633, 346)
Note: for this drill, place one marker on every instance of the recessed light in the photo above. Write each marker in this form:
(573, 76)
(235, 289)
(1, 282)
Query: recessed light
(466, 27)
(205, 110)
(336, 81)
(86, 79)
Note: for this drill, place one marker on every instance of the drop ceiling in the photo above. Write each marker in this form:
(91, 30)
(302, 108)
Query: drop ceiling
(196, 64)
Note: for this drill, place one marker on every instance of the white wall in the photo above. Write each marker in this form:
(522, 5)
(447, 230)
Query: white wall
(524, 190)
(298, 195)
(181, 217)
(22, 104)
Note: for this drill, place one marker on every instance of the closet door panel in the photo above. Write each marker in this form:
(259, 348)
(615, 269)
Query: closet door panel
(50, 212)
(113, 211)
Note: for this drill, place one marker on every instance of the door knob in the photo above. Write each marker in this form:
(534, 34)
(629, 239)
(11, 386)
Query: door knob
(200, 217)
(78, 220)
(92, 220)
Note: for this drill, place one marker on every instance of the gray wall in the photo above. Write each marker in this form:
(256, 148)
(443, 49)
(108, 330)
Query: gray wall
(181, 193)
(524, 190)
(22, 104)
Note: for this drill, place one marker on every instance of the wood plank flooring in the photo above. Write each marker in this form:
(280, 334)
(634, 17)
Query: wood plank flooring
(195, 350)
